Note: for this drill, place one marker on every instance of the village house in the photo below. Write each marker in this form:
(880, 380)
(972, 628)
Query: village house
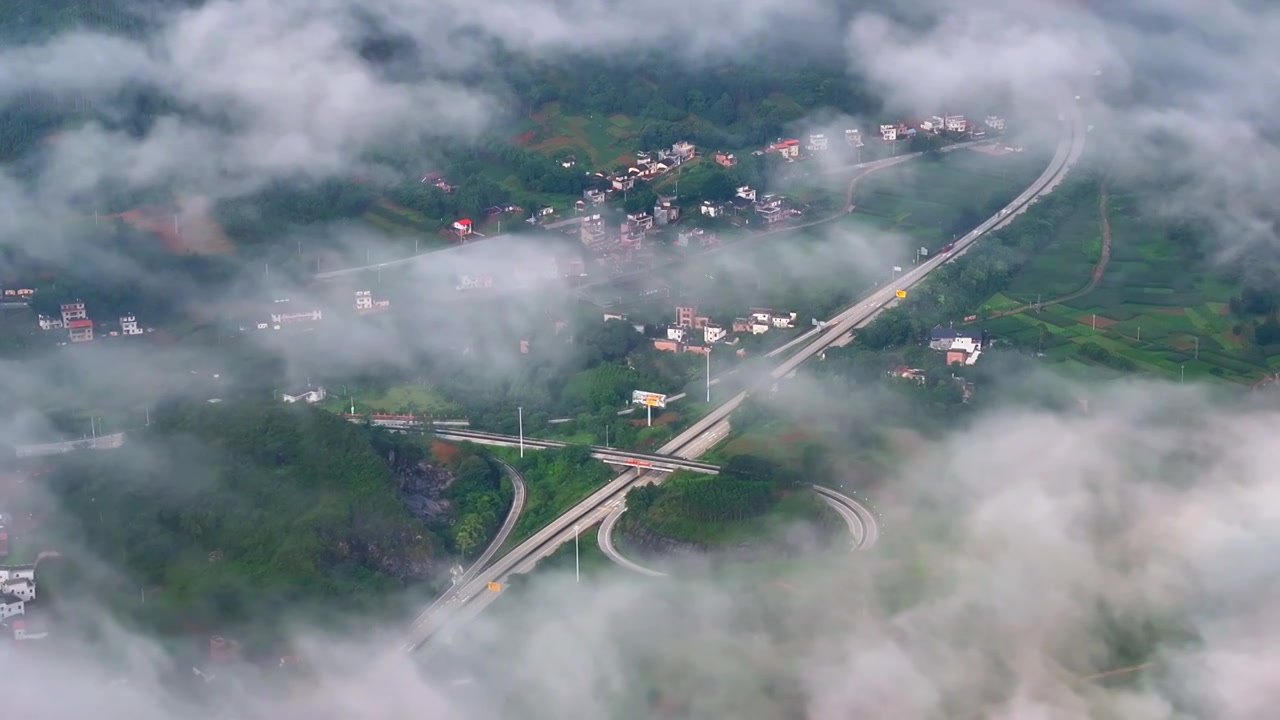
(711, 209)
(641, 220)
(482, 281)
(676, 333)
(462, 227)
(960, 346)
(623, 182)
(746, 192)
(817, 143)
(726, 159)
(956, 123)
(995, 123)
(788, 148)
(281, 315)
(365, 303)
(665, 210)
(306, 395)
(712, 334)
(685, 151)
(770, 209)
(594, 196)
(11, 605)
(48, 323)
(22, 589)
(903, 372)
(546, 211)
(129, 325)
(568, 162)
(741, 325)
(705, 238)
(76, 320)
(592, 231)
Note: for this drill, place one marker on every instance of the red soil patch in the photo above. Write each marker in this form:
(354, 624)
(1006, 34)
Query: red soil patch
(444, 452)
(194, 233)
(555, 144)
(1101, 321)
(525, 137)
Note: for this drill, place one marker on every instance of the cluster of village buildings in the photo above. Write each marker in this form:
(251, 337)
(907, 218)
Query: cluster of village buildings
(958, 346)
(695, 333)
(284, 312)
(939, 124)
(75, 321)
(17, 588)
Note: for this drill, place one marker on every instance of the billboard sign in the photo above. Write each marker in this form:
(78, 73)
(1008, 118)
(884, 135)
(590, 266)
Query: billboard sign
(640, 397)
(902, 293)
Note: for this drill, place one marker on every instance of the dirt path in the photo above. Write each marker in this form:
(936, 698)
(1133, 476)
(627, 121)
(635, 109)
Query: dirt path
(1099, 269)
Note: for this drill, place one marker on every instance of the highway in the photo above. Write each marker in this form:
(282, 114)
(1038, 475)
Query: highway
(613, 456)
(464, 602)
(860, 521)
(519, 493)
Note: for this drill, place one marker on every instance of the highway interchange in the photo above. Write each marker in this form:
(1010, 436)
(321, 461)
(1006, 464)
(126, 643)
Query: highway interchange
(467, 599)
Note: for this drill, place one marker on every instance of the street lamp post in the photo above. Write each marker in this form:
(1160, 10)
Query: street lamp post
(577, 565)
(708, 376)
(520, 416)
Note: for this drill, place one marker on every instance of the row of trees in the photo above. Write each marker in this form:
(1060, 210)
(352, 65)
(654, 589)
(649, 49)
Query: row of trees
(746, 487)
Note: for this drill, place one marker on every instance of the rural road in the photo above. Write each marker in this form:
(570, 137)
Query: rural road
(462, 603)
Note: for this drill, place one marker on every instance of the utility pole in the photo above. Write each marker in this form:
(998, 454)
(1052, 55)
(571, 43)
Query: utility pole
(1139, 333)
(606, 436)
(93, 429)
(1197, 348)
(1095, 321)
(708, 376)
(148, 411)
(1183, 376)
(520, 415)
(415, 246)
(577, 565)
(649, 409)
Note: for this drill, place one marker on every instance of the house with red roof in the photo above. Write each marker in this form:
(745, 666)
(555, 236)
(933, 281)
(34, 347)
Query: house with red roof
(462, 227)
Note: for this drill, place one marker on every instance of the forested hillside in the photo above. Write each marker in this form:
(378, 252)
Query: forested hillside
(227, 514)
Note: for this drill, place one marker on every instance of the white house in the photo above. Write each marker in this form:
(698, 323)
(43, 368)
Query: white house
(309, 395)
(995, 122)
(11, 605)
(18, 572)
(24, 590)
(129, 325)
(49, 323)
(746, 192)
(783, 321)
(676, 334)
(956, 123)
(712, 334)
(759, 328)
(711, 209)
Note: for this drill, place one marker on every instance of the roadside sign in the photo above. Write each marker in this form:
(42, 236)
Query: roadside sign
(649, 399)
(495, 587)
(897, 269)
(902, 293)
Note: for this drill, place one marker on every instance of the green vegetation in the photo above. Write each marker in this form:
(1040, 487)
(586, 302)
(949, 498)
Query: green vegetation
(554, 481)
(419, 398)
(750, 501)
(945, 194)
(1159, 306)
(230, 515)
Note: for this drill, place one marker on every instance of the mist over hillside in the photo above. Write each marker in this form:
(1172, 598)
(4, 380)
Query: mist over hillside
(1028, 550)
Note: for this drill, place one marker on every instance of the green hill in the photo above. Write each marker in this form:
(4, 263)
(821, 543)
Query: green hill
(229, 514)
(752, 501)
